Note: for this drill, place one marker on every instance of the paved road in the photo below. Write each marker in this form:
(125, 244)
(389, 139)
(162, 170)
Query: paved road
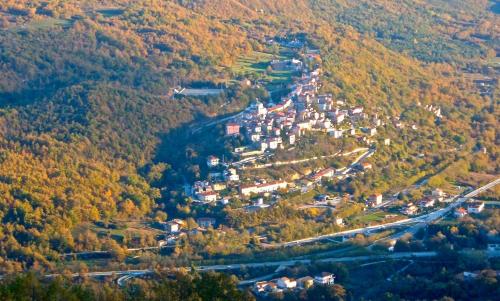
(128, 274)
(214, 122)
(89, 253)
(426, 218)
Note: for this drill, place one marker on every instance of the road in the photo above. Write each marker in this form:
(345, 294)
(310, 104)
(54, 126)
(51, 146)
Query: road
(89, 253)
(125, 275)
(214, 122)
(298, 161)
(362, 157)
(420, 220)
(423, 219)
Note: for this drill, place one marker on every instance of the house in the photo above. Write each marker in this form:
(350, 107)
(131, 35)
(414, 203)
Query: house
(260, 287)
(372, 131)
(409, 209)
(475, 207)
(259, 108)
(375, 199)
(255, 137)
(201, 186)
(336, 133)
(305, 282)
(325, 106)
(326, 124)
(205, 222)
(339, 221)
(356, 110)
(230, 175)
(218, 186)
(232, 129)
(262, 188)
(460, 212)
(291, 139)
(207, 196)
(225, 200)
(339, 117)
(286, 283)
(324, 278)
(366, 166)
(437, 192)
(212, 161)
(172, 227)
(324, 173)
(387, 141)
(258, 204)
(273, 143)
(427, 203)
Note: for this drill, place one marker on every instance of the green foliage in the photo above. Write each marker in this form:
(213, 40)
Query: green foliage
(207, 286)
(89, 130)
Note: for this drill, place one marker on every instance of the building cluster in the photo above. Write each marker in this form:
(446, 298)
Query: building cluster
(178, 227)
(473, 207)
(426, 202)
(220, 178)
(374, 200)
(267, 128)
(436, 110)
(283, 284)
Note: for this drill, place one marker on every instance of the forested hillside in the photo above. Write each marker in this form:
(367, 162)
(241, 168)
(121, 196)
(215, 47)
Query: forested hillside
(86, 95)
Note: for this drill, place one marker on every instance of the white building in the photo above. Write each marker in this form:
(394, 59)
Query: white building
(376, 199)
(324, 278)
(207, 196)
(255, 137)
(336, 133)
(263, 188)
(286, 283)
(172, 227)
(273, 143)
(212, 161)
(475, 207)
(437, 192)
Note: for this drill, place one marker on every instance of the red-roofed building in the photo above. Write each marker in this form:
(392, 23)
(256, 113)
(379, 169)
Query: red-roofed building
(232, 129)
(460, 212)
(324, 173)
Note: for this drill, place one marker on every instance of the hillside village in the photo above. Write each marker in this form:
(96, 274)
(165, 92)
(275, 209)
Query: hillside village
(280, 126)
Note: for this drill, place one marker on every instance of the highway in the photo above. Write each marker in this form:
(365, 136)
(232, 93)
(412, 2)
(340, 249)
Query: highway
(124, 275)
(423, 219)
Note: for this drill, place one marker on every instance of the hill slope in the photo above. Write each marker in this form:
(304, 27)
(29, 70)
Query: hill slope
(85, 96)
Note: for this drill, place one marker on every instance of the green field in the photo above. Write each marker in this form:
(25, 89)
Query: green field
(256, 67)
(111, 11)
(44, 24)
(371, 217)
